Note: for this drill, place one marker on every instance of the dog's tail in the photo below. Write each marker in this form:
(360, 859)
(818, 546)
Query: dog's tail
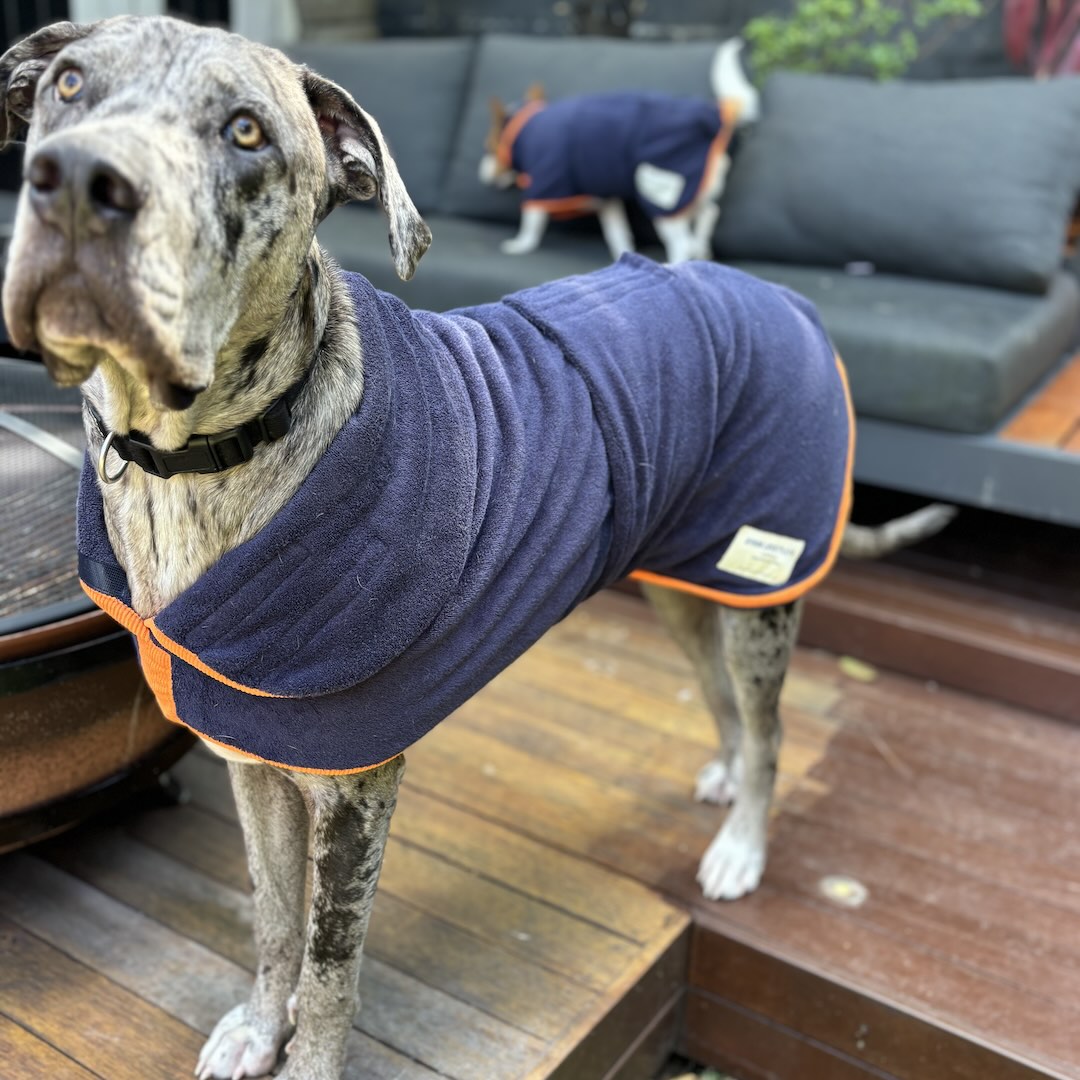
(730, 84)
(871, 542)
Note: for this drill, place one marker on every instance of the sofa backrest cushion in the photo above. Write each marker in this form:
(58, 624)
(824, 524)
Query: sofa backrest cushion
(507, 64)
(413, 88)
(969, 181)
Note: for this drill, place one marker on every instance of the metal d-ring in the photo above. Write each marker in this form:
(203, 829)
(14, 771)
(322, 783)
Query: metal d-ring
(102, 468)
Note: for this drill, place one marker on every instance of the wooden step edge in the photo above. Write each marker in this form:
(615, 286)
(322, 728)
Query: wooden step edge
(894, 1037)
(964, 603)
(1031, 674)
(601, 1040)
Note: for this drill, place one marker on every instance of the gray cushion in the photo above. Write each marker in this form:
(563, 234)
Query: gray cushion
(463, 266)
(947, 356)
(506, 65)
(962, 181)
(413, 88)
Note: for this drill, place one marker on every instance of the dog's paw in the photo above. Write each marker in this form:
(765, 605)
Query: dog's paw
(732, 866)
(717, 782)
(517, 246)
(240, 1047)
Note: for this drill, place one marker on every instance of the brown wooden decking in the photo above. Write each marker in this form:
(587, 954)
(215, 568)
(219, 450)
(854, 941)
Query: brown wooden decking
(1052, 417)
(521, 900)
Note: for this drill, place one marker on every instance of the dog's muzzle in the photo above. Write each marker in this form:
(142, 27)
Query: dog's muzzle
(76, 188)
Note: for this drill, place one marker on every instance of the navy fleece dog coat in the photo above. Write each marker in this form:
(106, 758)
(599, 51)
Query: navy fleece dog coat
(573, 153)
(505, 462)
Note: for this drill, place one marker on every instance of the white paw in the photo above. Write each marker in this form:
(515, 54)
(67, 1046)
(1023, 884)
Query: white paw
(239, 1047)
(717, 782)
(517, 246)
(732, 866)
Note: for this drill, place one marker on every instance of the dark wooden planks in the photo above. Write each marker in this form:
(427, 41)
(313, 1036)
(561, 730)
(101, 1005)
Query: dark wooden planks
(911, 788)
(961, 635)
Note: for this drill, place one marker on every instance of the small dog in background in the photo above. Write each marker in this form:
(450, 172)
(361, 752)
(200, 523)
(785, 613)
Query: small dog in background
(594, 153)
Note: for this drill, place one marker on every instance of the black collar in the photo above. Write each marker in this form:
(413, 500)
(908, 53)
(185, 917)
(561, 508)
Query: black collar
(207, 453)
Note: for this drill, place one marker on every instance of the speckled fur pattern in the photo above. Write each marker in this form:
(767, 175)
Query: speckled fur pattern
(191, 310)
(217, 288)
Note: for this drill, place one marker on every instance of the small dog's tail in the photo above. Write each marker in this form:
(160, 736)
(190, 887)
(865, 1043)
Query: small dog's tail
(871, 542)
(730, 84)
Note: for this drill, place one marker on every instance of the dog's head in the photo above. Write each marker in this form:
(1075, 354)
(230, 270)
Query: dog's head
(495, 164)
(174, 176)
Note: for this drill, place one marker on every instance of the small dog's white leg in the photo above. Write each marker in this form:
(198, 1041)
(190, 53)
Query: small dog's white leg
(707, 211)
(704, 226)
(677, 237)
(615, 226)
(533, 226)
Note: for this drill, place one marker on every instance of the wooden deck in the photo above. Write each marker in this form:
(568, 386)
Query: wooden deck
(1052, 417)
(532, 919)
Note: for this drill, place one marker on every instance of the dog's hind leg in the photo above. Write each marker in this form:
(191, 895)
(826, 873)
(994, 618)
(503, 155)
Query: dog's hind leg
(757, 646)
(350, 821)
(694, 623)
(247, 1039)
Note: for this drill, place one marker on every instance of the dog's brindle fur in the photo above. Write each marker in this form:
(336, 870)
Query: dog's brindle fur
(175, 275)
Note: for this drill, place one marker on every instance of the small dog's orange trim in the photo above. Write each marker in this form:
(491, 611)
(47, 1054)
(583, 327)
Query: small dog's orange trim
(791, 592)
(505, 147)
(568, 206)
(729, 115)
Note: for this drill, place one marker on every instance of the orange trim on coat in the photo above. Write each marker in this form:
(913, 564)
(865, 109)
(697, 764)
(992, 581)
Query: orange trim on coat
(157, 670)
(791, 592)
(156, 662)
(568, 206)
(504, 150)
(193, 660)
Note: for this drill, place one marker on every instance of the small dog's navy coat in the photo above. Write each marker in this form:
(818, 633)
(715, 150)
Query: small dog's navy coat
(590, 148)
(505, 462)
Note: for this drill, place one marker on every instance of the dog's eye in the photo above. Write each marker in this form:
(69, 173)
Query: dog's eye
(244, 131)
(69, 86)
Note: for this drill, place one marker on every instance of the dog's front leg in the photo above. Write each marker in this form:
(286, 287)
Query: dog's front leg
(350, 821)
(615, 226)
(247, 1039)
(534, 223)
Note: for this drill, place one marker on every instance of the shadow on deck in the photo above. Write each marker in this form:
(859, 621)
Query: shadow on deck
(538, 914)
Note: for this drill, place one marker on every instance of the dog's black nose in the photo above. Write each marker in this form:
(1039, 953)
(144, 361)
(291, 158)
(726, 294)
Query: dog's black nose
(70, 184)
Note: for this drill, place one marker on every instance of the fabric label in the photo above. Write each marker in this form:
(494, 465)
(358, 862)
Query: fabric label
(766, 557)
(662, 187)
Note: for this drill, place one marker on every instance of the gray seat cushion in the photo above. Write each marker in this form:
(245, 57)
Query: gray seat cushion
(507, 64)
(968, 181)
(463, 266)
(956, 357)
(413, 88)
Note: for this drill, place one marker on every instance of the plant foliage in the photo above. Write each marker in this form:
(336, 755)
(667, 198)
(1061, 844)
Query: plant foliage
(862, 37)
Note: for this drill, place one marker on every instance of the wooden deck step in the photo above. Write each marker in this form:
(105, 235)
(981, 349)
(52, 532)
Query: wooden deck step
(957, 814)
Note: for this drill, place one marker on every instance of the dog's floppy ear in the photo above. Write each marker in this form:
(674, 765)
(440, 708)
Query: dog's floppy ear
(21, 67)
(535, 92)
(359, 166)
